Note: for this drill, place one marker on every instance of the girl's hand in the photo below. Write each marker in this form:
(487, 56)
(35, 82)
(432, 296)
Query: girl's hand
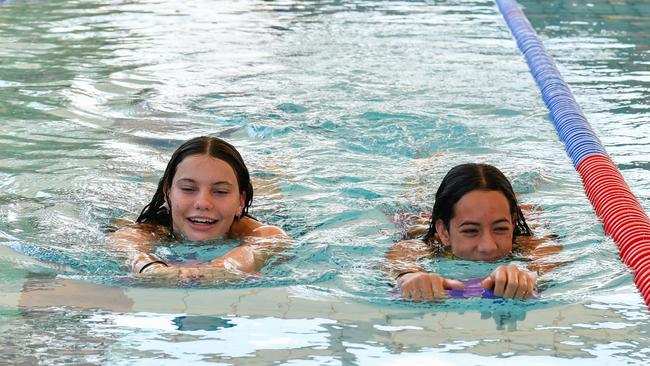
(511, 282)
(426, 286)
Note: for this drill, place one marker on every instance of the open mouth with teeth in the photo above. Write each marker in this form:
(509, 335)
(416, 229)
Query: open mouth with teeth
(202, 220)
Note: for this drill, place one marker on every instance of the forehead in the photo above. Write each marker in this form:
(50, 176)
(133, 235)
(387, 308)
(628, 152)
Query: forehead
(205, 168)
(478, 205)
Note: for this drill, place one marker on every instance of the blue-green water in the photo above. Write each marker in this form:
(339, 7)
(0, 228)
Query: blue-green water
(345, 112)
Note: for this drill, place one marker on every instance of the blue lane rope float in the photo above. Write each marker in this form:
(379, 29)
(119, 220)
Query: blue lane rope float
(622, 216)
(572, 126)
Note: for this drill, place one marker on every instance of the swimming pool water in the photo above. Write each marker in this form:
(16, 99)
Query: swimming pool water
(345, 112)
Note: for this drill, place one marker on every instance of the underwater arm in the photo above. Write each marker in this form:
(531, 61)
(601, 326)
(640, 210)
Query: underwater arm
(538, 249)
(248, 258)
(540, 253)
(233, 265)
(262, 243)
(133, 245)
(404, 257)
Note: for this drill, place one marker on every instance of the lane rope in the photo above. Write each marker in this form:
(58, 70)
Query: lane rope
(622, 216)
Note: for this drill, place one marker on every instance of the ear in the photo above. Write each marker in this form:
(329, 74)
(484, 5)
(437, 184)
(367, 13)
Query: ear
(165, 198)
(242, 201)
(443, 233)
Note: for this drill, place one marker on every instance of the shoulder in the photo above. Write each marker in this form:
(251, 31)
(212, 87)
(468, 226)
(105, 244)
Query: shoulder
(537, 247)
(412, 246)
(247, 226)
(421, 247)
(141, 232)
(268, 230)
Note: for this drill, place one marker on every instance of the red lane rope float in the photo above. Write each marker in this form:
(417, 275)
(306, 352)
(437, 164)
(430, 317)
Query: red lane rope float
(616, 206)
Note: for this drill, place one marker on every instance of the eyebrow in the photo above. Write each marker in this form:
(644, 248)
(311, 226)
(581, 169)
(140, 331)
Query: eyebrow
(500, 221)
(218, 183)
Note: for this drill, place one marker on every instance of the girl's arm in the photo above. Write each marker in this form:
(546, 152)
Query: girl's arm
(540, 250)
(248, 258)
(405, 256)
(259, 243)
(133, 245)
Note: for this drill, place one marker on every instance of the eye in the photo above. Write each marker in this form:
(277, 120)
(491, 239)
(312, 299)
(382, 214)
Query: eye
(469, 231)
(221, 192)
(502, 229)
(187, 189)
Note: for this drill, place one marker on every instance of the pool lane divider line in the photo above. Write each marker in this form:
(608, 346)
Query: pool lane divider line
(622, 216)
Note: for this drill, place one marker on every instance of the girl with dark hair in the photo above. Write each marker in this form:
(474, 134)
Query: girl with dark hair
(204, 194)
(476, 217)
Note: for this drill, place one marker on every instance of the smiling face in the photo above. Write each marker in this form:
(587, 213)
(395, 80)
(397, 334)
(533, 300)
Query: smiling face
(204, 198)
(481, 227)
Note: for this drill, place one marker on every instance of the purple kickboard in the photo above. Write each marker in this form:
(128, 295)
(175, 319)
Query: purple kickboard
(472, 288)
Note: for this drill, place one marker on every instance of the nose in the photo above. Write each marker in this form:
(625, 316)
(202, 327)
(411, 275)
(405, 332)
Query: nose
(487, 246)
(203, 200)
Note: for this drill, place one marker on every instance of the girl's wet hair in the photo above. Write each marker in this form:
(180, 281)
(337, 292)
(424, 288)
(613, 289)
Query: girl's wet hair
(465, 178)
(156, 212)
